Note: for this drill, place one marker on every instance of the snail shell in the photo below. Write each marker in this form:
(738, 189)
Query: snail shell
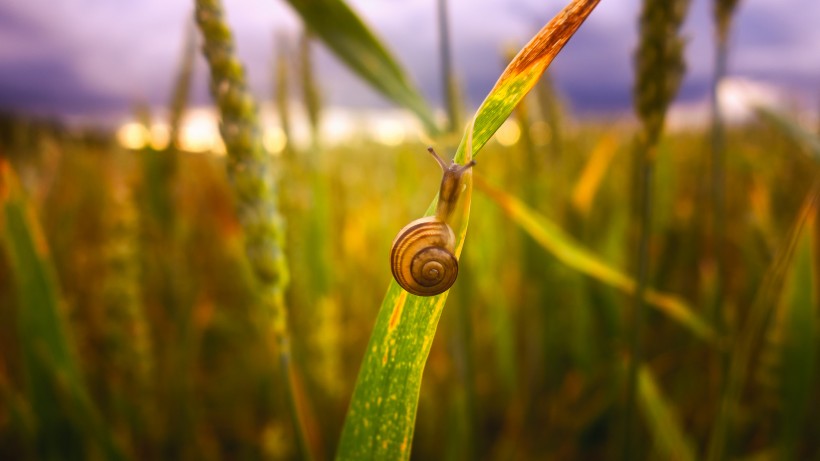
(422, 258)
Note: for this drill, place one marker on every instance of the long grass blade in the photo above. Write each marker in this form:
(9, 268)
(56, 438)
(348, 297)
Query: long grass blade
(574, 255)
(382, 412)
(798, 342)
(670, 439)
(583, 194)
(346, 35)
(759, 317)
(794, 131)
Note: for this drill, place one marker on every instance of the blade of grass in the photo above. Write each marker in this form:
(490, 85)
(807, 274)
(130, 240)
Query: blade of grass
(794, 131)
(381, 417)
(760, 313)
(799, 336)
(574, 255)
(346, 35)
(798, 349)
(593, 174)
(723, 10)
(661, 420)
(448, 80)
(382, 413)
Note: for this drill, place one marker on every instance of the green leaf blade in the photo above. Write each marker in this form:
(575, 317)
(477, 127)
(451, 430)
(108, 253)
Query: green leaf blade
(381, 416)
(571, 253)
(661, 419)
(347, 36)
(759, 320)
(799, 348)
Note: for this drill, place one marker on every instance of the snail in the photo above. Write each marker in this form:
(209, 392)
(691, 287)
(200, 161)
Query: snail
(422, 255)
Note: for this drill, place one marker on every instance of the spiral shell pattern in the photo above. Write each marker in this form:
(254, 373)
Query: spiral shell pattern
(422, 257)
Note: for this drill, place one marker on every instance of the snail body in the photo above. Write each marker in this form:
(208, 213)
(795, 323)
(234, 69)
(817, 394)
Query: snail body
(422, 256)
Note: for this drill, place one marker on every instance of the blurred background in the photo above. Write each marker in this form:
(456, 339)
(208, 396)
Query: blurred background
(92, 61)
(152, 340)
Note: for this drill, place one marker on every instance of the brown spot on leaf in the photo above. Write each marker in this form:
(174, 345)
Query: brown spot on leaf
(548, 42)
(397, 309)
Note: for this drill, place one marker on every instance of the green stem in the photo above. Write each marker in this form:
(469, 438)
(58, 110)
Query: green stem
(638, 305)
(549, 105)
(448, 80)
(288, 378)
(718, 200)
(718, 184)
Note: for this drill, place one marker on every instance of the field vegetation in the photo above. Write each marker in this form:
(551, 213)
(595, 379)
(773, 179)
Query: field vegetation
(625, 291)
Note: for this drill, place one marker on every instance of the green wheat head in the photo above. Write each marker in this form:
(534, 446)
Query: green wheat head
(248, 164)
(659, 62)
(126, 332)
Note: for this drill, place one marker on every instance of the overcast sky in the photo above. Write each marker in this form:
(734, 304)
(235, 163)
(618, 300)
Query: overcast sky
(98, 57)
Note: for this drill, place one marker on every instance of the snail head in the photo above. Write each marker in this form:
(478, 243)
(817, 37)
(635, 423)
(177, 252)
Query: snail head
(450, 184)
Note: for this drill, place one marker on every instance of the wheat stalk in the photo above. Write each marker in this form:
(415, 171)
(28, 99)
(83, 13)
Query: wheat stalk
(659, 62)
(253, 184)
(659, 69)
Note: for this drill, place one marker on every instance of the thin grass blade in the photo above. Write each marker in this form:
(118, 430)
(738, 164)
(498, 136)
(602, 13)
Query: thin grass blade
(583, 194)
(749, 337)
(798, 351)
(670, 439)
(382, 412)
(346, 35)
(574, 255)
(794, 131)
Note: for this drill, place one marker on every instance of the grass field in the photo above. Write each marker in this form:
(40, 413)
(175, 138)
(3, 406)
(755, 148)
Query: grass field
(136, 326)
